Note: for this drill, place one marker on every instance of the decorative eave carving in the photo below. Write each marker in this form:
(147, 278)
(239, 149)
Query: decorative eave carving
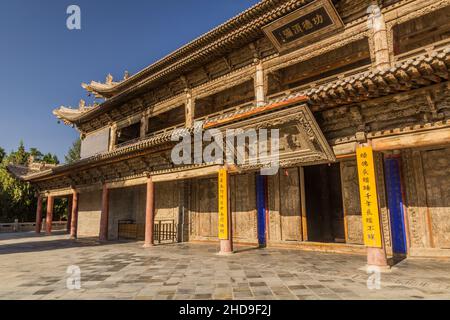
(69, 115)
(419, 72)
(104, 90)
(23, 172)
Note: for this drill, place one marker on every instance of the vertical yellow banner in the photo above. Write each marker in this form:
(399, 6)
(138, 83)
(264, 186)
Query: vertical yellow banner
(223, 204)
(369, 199)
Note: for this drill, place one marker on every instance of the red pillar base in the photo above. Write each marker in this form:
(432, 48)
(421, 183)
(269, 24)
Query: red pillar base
(149, 214)
(74, 216)
(103, 234)
(226, 247)
(377, 257)
(49, 219)
(39, 215)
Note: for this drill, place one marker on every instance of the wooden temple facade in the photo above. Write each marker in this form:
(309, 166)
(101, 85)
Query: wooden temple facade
(335, 77)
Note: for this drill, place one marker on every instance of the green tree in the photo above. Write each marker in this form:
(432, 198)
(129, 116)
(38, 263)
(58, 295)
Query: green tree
(18, 198)
(2, 154)
(36, 154)
(50, 158)
(19, 157)
(73, 154)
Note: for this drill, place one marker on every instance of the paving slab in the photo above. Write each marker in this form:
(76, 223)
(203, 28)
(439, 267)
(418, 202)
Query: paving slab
(40, 267)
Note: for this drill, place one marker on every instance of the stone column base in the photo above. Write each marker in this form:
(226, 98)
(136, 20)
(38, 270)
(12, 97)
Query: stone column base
(377, 257)
(226, 247)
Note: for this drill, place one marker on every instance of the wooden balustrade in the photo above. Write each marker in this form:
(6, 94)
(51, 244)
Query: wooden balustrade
(164, 231)
(29, 226)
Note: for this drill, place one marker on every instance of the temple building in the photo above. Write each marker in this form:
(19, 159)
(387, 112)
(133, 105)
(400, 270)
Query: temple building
(359, 91)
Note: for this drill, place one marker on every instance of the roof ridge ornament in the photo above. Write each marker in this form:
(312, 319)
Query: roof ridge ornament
(82, 105)
(69, 114)
(104, 90)
(109, 79)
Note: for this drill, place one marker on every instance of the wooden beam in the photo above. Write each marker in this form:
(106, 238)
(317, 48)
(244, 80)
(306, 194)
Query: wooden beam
(412, 140)
(127, 183)
(60, 192)
(189, 174)
(299, 99)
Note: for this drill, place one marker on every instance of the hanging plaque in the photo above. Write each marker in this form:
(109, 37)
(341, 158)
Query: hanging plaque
(305, 25)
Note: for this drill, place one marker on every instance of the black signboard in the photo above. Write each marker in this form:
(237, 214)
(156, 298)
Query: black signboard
(306, 24)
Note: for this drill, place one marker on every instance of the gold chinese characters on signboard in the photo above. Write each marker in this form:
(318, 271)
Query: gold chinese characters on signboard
(304, 25)
(223, 204)
(369, 199)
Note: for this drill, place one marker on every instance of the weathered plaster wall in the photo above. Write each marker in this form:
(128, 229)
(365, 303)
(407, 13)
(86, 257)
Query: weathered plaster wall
(125, 204)
(130, 203)
(89, 211)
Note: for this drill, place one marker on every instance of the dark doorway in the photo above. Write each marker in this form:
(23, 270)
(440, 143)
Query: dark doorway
(129, 133)
(324, 209)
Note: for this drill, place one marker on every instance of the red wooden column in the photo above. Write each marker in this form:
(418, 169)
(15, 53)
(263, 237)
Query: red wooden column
(74, 216)
(49, 219)
(149, 214)
(39, 214)
(69, 214)
(105, 213)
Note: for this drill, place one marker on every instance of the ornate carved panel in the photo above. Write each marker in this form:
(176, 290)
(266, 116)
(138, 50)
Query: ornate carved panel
(381, 189)
(436, 169)
(290, 207)
(352, 206)
(301, 140)
(414, 201)
(243, 207)
(203, 213)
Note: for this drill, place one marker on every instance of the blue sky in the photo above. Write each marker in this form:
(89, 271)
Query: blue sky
(42, 63)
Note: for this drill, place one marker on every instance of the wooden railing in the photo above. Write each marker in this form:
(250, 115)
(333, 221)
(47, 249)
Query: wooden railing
(164, 231)
(30, 226)
(127, 230)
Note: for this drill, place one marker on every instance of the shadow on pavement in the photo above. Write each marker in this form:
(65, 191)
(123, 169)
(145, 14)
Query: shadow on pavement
(37, 243)
(29, 234)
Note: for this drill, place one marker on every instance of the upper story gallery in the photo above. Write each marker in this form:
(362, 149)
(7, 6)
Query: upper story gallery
(333, 77)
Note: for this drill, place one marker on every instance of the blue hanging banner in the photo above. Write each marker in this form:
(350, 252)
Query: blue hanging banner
(395, 204)
(261, 208)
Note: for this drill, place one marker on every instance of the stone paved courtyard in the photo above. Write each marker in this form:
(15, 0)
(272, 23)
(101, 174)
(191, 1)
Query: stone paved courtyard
(34, 267)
